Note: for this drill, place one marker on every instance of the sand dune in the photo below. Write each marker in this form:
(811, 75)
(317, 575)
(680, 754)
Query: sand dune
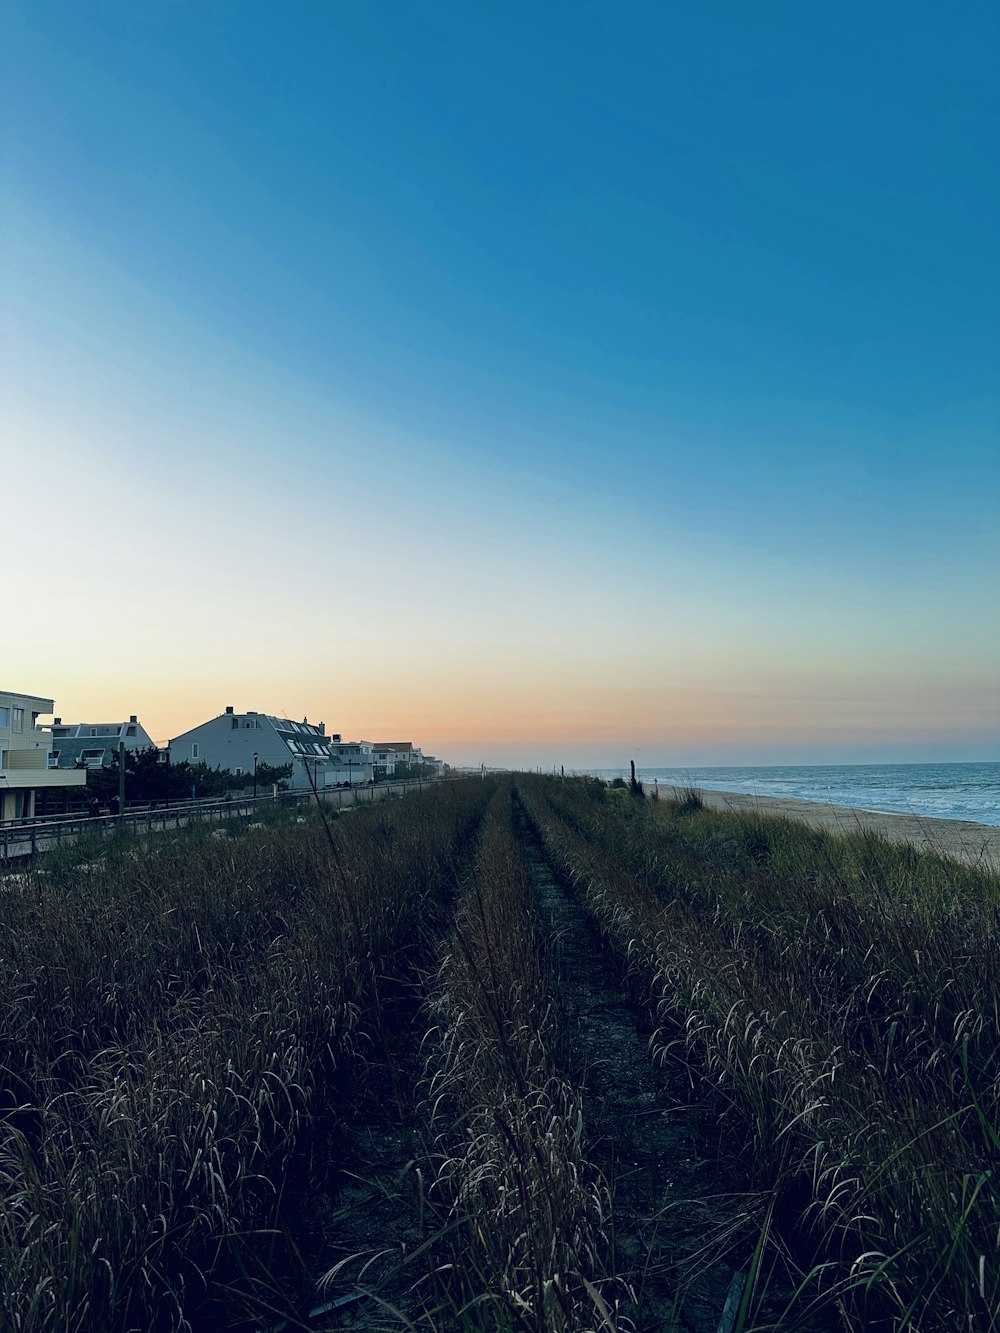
(977, 844)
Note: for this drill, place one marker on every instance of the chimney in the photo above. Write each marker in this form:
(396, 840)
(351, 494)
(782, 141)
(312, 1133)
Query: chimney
(132, 717)
(322, 728)
(229, 708)
(57, 721)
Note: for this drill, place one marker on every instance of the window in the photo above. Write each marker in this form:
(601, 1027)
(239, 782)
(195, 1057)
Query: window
(5, 718)
(195, 750)
(93, 731)
(130, 731)
(18, 719)
(237, 769)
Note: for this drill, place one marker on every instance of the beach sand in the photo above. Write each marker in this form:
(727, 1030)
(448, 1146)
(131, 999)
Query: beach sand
(976, 844)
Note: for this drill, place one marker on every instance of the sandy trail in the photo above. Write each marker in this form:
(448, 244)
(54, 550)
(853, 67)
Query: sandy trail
(640, 1124)
(976, 844)
(683, 1214)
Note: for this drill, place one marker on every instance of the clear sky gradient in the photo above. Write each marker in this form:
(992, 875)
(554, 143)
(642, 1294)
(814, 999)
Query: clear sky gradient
(537, 382)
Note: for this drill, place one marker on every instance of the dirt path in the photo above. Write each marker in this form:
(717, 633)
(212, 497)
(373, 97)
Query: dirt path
(643, 1131)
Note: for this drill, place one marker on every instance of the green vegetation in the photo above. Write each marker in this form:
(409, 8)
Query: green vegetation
(410, 772)
(148, 778)
(234, 1060)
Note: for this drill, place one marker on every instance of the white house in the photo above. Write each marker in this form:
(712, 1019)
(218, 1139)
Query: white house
(29, 785)
(231, 740)
(95, 744)
(355, 760)
(398, 752)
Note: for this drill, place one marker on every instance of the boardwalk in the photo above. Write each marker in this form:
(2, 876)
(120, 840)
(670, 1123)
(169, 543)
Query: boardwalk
(25, 838)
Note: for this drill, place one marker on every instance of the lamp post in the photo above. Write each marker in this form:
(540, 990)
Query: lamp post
(255, 758)
(165, 761)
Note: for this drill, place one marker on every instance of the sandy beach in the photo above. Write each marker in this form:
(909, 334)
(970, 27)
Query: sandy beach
(977, 844)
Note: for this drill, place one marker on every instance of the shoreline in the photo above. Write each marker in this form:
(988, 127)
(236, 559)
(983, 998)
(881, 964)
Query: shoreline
(975, 844)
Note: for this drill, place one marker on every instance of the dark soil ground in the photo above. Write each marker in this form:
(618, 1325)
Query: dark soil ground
(671, 1207)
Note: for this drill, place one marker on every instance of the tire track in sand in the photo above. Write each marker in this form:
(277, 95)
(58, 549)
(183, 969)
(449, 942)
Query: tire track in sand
(642, 1128)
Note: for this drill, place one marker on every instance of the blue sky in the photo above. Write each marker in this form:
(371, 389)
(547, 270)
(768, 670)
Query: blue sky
(540, 377)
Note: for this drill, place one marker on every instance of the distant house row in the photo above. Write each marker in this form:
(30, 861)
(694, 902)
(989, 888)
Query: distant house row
(40, 764)
(233, 741)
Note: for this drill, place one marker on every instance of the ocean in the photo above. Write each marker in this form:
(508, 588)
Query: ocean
(941, 791)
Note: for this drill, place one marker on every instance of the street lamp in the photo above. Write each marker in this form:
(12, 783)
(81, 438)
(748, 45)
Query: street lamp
(255, 758)
(165, 761)
(121, 778)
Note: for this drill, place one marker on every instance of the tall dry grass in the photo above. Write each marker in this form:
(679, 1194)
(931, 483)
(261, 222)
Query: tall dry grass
(528, 1250)
(174, 1015)
(841, 996)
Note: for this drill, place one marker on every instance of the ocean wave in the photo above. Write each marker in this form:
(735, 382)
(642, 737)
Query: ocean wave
(938, 791)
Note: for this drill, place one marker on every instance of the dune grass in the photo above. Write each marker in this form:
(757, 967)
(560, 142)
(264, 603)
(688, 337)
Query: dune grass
(840, 995)
(180, 1014)
(175, 1014)
(507, 1122)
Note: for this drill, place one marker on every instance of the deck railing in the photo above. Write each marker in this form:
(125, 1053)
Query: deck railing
(26, 837)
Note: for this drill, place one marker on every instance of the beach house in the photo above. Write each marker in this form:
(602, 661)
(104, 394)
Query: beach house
(29, 783)
(95, 744)
(355, 760)
(400, 754)
(232, 741)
